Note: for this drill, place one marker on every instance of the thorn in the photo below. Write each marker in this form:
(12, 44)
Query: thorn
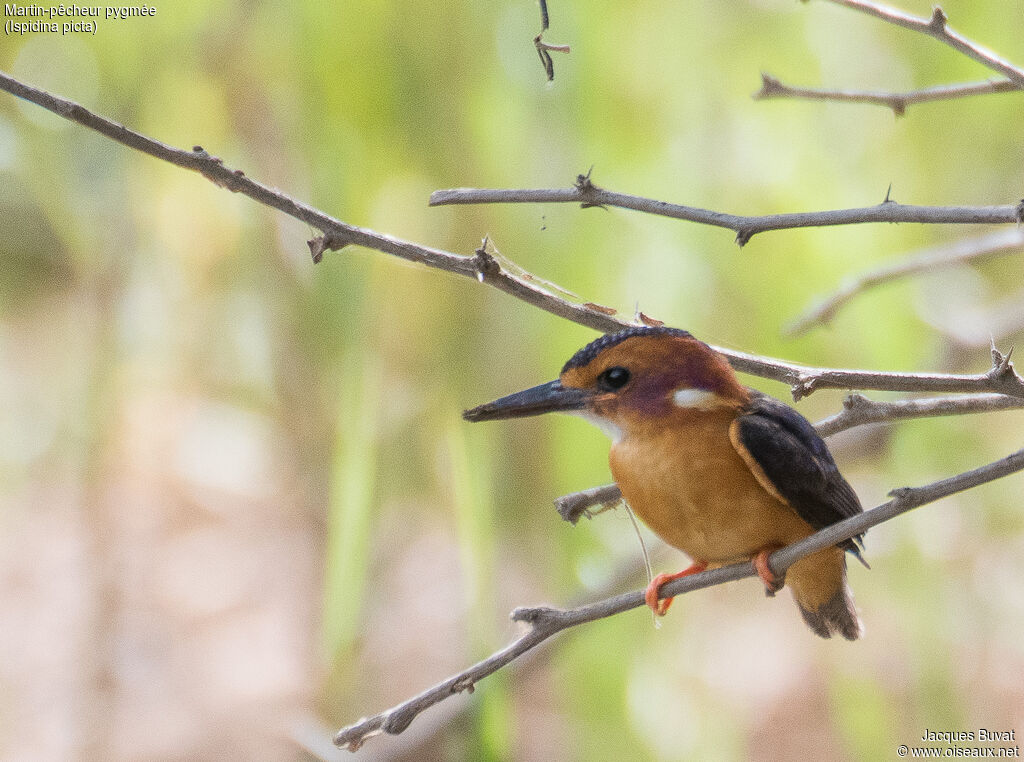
(997, 356)
(938, 20)
(484, 263)
(316, 248)
(1020, 211)
(743, 237)
(1001, 364)
(532, 615)
(584, 185)
(888, 195)
(804, 386)
(770, 86)
(854, 400)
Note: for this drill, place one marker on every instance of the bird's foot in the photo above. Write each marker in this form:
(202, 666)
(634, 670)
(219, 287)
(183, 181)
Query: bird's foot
(772, 583)
(660, 607)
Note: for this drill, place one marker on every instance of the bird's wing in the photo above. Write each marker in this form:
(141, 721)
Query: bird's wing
(792, 462)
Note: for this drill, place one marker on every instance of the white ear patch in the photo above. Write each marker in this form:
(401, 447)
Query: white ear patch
(696, 399)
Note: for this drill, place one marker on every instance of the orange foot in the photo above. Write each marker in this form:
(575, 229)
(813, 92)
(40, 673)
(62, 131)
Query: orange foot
(772, 584)
(660, 607)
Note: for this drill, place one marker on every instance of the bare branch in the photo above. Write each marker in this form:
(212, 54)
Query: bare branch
(898, 102)
(573, 507)
(546, 622)
(937, 27)
(927, 260)
(587, 194)
(1002, 378)
(484, 267)
(859, 410)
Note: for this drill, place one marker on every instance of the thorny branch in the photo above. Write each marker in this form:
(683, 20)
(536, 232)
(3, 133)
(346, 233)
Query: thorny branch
(587, 194)
(935, 27)
(859, 410)
(546, 622)
(928, 260)
(803, 380)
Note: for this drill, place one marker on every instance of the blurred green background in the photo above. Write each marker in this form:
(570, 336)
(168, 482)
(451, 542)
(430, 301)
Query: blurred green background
(238, 506)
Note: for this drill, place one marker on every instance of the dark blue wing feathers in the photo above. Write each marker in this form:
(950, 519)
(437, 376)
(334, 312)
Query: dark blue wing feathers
(797, 462)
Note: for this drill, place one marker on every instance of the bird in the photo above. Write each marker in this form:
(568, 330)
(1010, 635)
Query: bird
(718, 470)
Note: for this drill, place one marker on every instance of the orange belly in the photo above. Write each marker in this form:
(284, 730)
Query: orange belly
(691, 487)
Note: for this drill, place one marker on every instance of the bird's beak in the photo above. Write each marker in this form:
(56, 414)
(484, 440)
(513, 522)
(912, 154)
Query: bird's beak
(546, 398)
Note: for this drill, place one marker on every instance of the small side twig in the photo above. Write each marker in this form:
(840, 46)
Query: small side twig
(937, 27)
(927, 260)
(858, 410)
(772, 88)
(545, 622)
(573, 507)
(543, 48)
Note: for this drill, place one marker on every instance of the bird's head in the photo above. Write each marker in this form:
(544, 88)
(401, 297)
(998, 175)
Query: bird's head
(639, 375)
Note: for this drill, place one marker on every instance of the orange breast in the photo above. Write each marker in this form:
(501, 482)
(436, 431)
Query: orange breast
(689, 485)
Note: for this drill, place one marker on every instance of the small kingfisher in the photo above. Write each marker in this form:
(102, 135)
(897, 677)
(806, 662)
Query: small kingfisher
(716, 469)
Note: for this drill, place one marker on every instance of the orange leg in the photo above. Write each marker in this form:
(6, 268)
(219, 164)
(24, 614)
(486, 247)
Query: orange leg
(651, 593)
(772, 584)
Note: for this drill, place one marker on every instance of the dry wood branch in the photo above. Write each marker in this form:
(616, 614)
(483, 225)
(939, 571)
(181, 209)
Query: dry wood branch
(927, 260)
(772, 88)
(859, 410)
(585, 193)
(937, 27)
(546, 622)
(482, 266)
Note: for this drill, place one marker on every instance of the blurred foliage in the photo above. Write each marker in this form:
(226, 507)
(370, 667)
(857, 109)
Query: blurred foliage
(126, 282)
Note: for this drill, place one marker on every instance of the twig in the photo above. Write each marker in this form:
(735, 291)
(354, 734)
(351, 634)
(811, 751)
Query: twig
(587, 194)
(937, 27)
(546, 622)
(1001, 378)
(545, 56)
(573, 507)
(858, 410)
(898, 102)
(482, 266)
(927, 260)
(543, 48)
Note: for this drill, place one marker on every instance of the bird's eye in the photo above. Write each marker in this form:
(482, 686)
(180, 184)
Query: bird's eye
(613, 379)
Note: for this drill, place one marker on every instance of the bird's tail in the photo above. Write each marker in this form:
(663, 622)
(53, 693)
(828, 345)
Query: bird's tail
(821, 592)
